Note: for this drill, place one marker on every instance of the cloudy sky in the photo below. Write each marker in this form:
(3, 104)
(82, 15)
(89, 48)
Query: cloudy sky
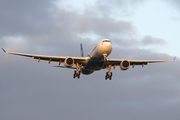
(138, 29)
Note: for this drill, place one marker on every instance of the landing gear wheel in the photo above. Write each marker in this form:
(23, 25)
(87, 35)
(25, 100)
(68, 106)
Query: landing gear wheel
(77, 74)
(106, 73)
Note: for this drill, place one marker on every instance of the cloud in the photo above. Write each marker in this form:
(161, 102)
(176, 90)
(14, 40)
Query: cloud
(120, 8)
(145, 42)
(22, 17)
(148, 40)
(174, 3)
(41, 25)
(38, 89)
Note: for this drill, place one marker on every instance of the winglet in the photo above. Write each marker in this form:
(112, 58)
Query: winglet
(174, 58)
(3, 50)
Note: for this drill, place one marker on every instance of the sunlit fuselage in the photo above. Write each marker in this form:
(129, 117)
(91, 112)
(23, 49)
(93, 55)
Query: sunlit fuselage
(97, 54)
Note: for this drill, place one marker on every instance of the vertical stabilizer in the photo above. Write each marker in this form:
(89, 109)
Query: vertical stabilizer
(82, 53)
(3, 50)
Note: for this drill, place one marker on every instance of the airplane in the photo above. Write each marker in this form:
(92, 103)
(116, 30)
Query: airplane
(94, 61)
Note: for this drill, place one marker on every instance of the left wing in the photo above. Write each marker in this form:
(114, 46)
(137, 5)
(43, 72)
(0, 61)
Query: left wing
(59, 59)
(117, 62)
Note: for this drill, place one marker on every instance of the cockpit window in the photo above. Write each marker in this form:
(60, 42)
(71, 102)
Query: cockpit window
(106, 41)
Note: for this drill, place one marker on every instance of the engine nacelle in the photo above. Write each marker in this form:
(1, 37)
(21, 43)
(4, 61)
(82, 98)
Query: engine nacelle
(68, 62)
(124, 65)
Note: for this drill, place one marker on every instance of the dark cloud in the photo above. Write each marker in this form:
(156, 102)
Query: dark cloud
(32, 90)
(43, 23)
(23, 17)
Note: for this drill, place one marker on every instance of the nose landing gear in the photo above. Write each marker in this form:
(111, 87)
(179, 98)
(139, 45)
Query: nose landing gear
(108, 74)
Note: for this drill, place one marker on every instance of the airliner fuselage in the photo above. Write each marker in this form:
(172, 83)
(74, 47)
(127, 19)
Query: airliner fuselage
(97, 56)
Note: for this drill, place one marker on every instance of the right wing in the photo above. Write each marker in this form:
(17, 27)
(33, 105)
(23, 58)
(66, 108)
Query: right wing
(58, 59)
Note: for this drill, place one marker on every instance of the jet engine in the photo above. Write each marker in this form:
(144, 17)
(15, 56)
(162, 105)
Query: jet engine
(124, 65)
(68, 62)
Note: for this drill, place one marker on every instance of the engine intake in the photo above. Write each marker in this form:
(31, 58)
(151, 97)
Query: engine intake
(125, 65)
(69, 62)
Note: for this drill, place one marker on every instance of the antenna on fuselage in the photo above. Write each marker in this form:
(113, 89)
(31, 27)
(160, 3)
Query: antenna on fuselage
(82, 53)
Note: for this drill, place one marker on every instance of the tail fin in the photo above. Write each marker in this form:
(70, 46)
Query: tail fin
(82, 53)
(3, 50)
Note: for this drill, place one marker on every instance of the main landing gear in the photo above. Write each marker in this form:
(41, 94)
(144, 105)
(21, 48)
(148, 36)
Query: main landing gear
(77, 73)
(108, 74)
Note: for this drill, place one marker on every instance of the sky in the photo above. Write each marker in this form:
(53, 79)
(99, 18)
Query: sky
(138, 29)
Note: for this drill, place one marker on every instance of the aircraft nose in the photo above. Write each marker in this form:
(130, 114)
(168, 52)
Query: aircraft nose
(108, 47)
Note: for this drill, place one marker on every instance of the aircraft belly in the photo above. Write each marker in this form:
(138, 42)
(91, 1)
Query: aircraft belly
(93, 65)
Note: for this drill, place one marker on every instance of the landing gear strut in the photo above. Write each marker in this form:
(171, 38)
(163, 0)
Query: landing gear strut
(105, 57)
(108, 74)
(77, 73)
